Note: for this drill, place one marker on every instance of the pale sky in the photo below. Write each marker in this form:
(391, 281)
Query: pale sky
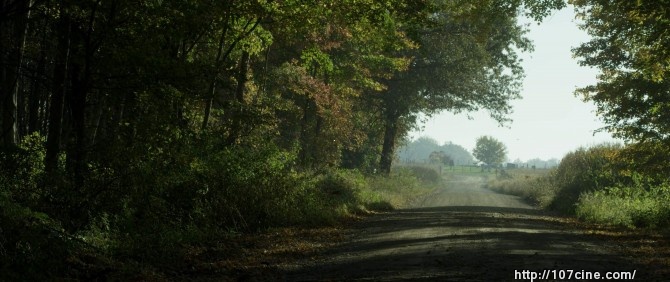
(549, 121)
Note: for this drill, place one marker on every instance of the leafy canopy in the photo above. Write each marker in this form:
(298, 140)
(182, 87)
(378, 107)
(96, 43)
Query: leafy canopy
(630, 48)
(489, 150)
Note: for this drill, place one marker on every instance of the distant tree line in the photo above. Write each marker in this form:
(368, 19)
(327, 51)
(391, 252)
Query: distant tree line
(419, 151)
(539, 163)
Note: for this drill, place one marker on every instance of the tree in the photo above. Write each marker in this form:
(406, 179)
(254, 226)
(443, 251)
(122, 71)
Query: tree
(459, 154)
(629, 45)
(145, 83)
(490, 151)
(466, 60)
(418, 150)
(12, 40)
(328, 62)
(421, 149)
(441, 158)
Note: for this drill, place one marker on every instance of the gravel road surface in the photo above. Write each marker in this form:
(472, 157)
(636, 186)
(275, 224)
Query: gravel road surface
(465, 233)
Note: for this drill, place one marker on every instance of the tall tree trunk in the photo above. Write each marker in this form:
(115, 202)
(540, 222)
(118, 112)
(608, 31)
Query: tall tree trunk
(212, 84)
(304, 134)
(98, 121)
(12, 41)
(81, 83)
(208, 105)
(58, 93)
(238, 109)
(77, 102)
(222, 56)
(388, 149)
(36, 101)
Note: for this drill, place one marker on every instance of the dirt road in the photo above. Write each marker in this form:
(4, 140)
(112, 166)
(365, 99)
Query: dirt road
(464, 233)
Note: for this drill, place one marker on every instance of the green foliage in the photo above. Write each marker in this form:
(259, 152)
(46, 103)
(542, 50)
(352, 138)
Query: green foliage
(646, 158)
(606, 184)
(419, 151)
(29, 239)
(148, 126)
(640, 205)
(199, 193)
(534, 186)
(22, 167)
(425, 174)
(582, 171)
(489, 150)
(441, 158)
(403, 186)
(629, 46)
(342, 191)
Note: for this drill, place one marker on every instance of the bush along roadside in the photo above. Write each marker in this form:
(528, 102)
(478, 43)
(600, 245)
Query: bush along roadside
(607, 184)
(642, 204)
(147, 212)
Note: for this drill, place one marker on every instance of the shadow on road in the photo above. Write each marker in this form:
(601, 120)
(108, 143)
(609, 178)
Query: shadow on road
(463, 243)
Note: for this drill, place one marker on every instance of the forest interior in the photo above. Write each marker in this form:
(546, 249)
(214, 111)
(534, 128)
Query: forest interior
(164, 140)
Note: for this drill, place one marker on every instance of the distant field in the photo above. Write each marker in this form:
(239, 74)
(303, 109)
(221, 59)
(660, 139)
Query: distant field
(476, 170)
(443, 168)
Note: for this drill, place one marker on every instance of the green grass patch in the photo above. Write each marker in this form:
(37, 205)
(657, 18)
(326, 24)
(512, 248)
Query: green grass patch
(636, 206)
(349, 192)
(605, 184)
(467, 170)
(533, 185)
(404, 186)
(447, 171)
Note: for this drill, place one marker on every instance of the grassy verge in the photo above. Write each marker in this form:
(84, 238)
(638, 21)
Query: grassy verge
(455, 170)
(348, 193)
(168, 210)
(218, 215)
(606, 184)
(626, 206)
(351, 195)
(619, 194)
(342, 196)
(404, 186)
(533, 185)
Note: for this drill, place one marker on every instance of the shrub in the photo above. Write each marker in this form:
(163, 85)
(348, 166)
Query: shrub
(150, 205)
(342, 190)
(584, 170)
(536, 187)
(637, 206)
(426, 174)
(604, 184)
(403, 187)
(29, 241)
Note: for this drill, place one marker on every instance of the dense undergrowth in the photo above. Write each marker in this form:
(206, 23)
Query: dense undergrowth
(608, 184)
(145, 212)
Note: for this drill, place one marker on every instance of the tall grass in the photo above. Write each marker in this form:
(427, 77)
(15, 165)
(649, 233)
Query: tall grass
(404, 186)
(610, 184)
(345, 193)
(535, 186)
(641, 205)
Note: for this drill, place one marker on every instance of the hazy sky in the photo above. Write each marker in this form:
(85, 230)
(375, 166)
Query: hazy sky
(549, 121)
